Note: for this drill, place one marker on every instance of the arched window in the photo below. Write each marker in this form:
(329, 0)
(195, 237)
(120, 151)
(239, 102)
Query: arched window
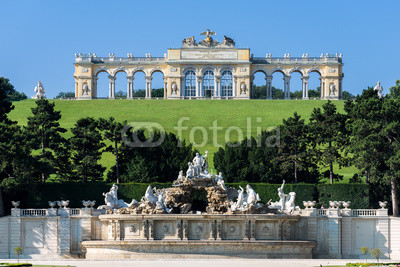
(190, 83)
(226, 83)
(208, 83)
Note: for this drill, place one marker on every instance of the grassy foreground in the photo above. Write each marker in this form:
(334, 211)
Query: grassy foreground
(236, 118)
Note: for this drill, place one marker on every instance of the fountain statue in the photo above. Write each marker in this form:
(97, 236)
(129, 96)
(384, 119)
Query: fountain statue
(112, 202)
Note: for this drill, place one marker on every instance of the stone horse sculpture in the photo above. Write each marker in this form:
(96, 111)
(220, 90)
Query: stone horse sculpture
(286, 201)
(149, 196)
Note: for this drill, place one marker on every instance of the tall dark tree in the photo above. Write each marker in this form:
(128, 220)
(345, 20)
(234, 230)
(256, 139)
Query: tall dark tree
(139, 162)
(112, 132)
(328, 135)
(6, 88)
(293, 151)
(375, 139)
(46, 131)
(62, 162)
(86, 145)
(16, 163)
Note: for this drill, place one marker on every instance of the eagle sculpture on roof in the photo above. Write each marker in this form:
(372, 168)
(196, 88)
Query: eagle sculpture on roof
(208, 34)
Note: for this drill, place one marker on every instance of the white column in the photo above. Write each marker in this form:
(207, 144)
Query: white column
(111, 93)
(129, 93)
(93, 93)
(268, 80)
(148, 86)
(234, 86)
(199, 89)
(286, 80)
(305, 87)
(165, 88)
(322, 85)
(218, 84)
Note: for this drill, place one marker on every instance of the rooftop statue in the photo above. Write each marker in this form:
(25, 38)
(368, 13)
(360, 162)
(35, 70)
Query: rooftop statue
(379, 89)
(39, 92)
(208, 34)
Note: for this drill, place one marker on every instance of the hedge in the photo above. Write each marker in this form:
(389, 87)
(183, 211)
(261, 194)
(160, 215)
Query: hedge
(39, 195)
(358, 194)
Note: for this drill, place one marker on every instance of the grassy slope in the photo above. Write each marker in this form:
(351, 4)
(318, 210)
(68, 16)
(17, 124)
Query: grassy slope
(168, 112)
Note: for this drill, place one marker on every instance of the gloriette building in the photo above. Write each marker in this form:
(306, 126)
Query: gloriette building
(208, 69)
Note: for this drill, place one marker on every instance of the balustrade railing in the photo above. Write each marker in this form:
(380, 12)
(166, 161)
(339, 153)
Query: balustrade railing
(297, 59)
(321, 212)
(363, 212)
(75, 212)
(34, 212)
(117, 59)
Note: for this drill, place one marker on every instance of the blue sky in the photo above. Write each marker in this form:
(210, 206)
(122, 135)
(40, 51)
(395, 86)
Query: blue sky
(39, 38)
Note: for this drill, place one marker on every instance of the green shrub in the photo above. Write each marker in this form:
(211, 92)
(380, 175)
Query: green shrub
(358, 194)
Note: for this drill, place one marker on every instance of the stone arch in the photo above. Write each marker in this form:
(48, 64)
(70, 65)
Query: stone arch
(140, 69)
(209, 67)
(120, 69)
(186, 68)
(279, 69)
(298, 70)
(315, 69)
(155, 80)
(258, 80)
(226, 67)
(313, 82)
(257, 70)
(102, 69)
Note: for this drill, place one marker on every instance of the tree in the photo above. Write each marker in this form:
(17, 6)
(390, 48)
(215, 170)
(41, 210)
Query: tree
(16, 96)
(139, 93)
(86, 145)
(374, 125)
(112, 132)
(62, 161)
(65, 95)
(395, 90)
(365, 251)
(17, 166)
(157, 92)
(293, 152)
(376, 253)
(6, 88)
(46, 132)
(327, 130)
(18, 252)
(314, 93)
(347, 95)
(146, 164)
(120, 94)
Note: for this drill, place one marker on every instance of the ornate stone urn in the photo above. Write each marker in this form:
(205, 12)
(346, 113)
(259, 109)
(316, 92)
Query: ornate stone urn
(383, 204)
(346, 204)
(15, 204)
(52, 204)
(63, 203)
(86, 203)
